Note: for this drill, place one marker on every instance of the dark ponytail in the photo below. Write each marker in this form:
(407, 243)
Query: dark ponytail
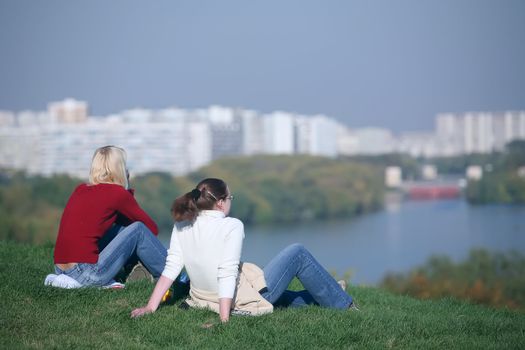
(202, 197)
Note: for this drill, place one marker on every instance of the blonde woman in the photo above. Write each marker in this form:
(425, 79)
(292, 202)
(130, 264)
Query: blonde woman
(92, 211)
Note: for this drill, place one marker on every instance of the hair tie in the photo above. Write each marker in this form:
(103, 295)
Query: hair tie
(195, 194)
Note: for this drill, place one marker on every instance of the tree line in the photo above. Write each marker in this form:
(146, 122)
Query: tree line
(266, 189)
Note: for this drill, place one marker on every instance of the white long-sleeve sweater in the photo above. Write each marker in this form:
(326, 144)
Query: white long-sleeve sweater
(210, 249)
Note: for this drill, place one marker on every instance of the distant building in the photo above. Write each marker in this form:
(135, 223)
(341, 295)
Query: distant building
(68, 111)
(429, 172)
(316, 135)
(279, 133)
(253, 132)
(226, 131)
(478, 132)
(417, 144)
(449, 137)
(374, 141)
(474, 172)
(41, 143)
(7, 118)
(393, 177)
(347, 142)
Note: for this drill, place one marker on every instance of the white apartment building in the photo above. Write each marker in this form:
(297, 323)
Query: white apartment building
(42, 143)
(252, 132)
(316, 135)
(347, 142)
(68, 111)
(374, 141)
(478, 132)
(279, 133)
(226, 131)
(508, 126)
(417, 144)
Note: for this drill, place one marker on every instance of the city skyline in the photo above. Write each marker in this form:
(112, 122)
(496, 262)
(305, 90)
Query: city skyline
(178, 141)
(88, 108)
(392, 65)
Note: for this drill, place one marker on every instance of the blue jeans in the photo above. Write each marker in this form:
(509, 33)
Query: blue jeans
(135, 238)
(321, 288)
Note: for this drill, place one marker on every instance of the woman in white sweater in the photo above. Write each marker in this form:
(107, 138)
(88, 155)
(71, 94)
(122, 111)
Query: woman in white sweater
(208, 244)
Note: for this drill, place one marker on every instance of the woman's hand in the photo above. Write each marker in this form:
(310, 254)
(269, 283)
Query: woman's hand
(141, 311)
(162, 286)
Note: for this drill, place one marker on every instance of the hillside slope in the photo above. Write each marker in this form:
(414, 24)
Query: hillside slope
(34, 316)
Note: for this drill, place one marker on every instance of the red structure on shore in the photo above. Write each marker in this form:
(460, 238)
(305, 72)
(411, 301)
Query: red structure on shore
(433, 192)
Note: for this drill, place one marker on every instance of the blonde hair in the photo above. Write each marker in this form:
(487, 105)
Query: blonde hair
(109, 166)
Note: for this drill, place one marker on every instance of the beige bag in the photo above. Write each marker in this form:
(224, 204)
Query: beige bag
(246, 301)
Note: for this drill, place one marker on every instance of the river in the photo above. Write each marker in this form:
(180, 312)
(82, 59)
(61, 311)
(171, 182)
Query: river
(401, 236)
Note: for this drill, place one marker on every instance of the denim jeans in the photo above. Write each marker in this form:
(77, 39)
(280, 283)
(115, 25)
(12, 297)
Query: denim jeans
(296, 261)
(135, 238)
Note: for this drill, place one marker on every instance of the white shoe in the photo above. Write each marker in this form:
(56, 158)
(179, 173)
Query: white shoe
(342, 283)
(49, 279)
(64, 281)
(114, 285)
(354, 307)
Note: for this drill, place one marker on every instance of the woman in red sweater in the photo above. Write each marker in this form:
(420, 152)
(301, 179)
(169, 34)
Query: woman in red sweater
(92, 210)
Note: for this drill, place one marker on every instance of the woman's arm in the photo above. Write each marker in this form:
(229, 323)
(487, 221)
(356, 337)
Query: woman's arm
(161, 288)
(128, 207)
(228, 268)
(174, 264)
(225, 304)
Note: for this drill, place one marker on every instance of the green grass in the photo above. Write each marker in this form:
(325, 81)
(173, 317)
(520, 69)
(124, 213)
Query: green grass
(35, 316)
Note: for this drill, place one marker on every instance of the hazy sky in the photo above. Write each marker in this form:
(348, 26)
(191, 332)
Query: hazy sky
(387, 63)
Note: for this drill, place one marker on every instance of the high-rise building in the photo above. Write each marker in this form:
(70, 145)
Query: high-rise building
(374, 141)
(279, 134)
(226, 131)
(478, 132)
(68, 111)
(316, 135)
(7, 118)
(347, 142)
(42, 144)
(417, 144)
(252, 132)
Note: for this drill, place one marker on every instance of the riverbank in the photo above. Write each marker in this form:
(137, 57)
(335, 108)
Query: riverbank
(35, 316)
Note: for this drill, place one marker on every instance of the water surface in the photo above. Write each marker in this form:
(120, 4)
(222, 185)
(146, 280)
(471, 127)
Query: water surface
(398, 238)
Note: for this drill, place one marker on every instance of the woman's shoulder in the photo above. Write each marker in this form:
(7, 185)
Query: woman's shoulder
(113, 188)
(234, 224)
(103, 190)
(233, 221)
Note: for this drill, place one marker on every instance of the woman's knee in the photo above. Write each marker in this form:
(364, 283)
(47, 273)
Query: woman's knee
(296, 248)
(137, 225)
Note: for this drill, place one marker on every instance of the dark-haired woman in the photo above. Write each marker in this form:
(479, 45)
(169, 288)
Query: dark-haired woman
(208, 244)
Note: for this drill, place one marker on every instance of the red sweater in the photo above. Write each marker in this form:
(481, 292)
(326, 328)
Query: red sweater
(89, 213)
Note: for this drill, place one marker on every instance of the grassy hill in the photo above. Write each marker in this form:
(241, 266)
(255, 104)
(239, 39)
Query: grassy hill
(34, 316)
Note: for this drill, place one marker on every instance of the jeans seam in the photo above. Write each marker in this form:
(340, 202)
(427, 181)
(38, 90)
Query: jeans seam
(323, 277)
(154, 245)
(271, 293)
(337, 290)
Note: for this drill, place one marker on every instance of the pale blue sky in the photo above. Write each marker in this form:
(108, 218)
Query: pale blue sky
(393, 64)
